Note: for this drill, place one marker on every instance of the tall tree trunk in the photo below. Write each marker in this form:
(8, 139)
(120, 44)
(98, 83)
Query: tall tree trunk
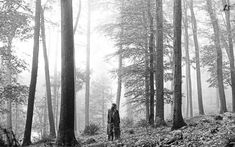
(44, 131)
(103, 112)
(16, 119)
(159, 118)
(178, 120)
(119, 86)
(66, 135)
(9, 101)
(47, 75)
(87, 93)
(188, 71)
(172, 82)
(146, 58)
(147, 84)
(198, 70)
(219, 61)
(33, 82)
(217, 98)
(55, 89)
(231, 54)
(151, 66)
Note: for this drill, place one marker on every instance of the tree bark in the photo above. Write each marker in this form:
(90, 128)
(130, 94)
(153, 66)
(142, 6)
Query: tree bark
(103, 111)
(219, 61)
(178, 120)
(44, 131)
(55, 89)
(33, 82)
(231, 54)
(198, 70)
(151, 66)
(87, 93)
(9, 79)
(16, 119)
(159, 116)
(119, 87)
(147, 84)
(188, 70)
(47, 76)
(66, 135)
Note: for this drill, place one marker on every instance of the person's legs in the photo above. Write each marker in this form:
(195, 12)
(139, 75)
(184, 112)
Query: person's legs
(117, 131)
(111, 127)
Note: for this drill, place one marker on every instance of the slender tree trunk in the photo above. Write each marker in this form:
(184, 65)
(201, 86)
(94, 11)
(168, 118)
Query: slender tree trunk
(87, 93)
(151, 66)
(198, 70)
(78, 17)
(146, 58)
(47, 75)
(178, 120)
(147, 83)
(16, 119)
(103, 112)
(219, 61)
(66, 135)
(9, 101)
(119, 87)
(231, 54)
(55, 89)
(188, 70)
(217, 99)
(172, 82)
(159, 118)
(33, 82)
(44, 131)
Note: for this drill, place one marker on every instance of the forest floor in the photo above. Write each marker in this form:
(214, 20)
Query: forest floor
(204, 131)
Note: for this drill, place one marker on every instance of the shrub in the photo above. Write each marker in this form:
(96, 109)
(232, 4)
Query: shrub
(7, 138)
(91, 129)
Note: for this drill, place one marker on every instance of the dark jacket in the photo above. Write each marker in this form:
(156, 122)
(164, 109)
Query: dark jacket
(113, 116)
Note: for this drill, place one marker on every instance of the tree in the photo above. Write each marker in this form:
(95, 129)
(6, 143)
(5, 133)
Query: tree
(219, 60)
(159, 118)
(14, 25)
(151, 65)
(231, 54)
(188, 71)
(87, 93)
(47, 75)
(146, 82)
(198, 70)
(178, 120)
(33, 82)
(66, 135)
(119, 87)
(135, 42)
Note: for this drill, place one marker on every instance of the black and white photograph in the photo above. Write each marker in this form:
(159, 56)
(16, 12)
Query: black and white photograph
(117, 73)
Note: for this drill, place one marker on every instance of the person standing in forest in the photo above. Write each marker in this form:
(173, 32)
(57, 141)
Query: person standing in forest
(113, 127)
